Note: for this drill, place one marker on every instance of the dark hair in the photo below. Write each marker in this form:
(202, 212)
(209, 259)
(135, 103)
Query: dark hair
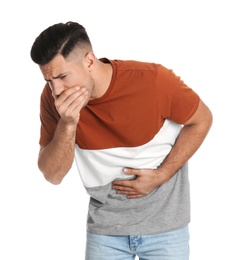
(59, 38)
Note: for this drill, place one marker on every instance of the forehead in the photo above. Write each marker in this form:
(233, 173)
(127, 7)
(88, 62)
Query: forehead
(55, 67)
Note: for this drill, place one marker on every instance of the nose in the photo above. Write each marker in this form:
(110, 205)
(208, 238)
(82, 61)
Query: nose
(56, 87)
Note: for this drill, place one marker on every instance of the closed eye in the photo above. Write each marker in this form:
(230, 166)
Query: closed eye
(61, 76)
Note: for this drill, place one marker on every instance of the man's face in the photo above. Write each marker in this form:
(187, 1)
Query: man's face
(62, 74)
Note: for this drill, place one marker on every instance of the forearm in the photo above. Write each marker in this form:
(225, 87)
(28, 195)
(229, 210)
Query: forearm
(190, 139)
(55, 160)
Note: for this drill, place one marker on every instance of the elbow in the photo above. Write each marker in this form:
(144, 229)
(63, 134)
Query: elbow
(51, 176)
(52, 180)
(209, 120)
(52, 169)
(205, 118)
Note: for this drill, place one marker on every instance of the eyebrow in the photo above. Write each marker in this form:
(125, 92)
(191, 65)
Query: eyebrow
(56, 77)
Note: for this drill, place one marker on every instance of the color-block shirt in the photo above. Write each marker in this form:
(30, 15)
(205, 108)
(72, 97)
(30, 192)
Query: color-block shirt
(134, 124)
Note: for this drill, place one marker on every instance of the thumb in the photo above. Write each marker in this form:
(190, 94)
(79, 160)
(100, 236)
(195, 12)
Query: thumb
(131, 171)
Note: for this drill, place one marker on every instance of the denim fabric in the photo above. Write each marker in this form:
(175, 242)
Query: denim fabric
(173, 245)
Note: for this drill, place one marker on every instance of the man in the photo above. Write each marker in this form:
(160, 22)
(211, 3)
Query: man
(131, 127)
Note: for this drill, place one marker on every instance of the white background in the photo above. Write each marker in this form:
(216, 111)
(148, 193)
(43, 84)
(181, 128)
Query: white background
(199, 40)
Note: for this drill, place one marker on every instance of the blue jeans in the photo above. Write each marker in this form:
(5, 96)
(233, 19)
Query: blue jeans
(172, 245)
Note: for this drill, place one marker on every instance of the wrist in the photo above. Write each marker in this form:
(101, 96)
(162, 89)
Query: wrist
(67, 126)
(162, 175)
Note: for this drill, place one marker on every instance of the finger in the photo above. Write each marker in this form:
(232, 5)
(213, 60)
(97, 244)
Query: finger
(131, 171)
(122, 188)
(73, 104)
(66, 93)
(68, 97)
(124, 183)
(79, 102)
(128, 192)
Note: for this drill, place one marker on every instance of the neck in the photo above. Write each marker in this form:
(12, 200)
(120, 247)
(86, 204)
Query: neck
(103, 78)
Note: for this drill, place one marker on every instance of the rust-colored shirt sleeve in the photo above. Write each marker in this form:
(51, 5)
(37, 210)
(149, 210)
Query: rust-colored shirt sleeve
(178, 101)
(48, 115)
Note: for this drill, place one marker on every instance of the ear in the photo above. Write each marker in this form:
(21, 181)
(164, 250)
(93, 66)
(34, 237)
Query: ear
(90, 60)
